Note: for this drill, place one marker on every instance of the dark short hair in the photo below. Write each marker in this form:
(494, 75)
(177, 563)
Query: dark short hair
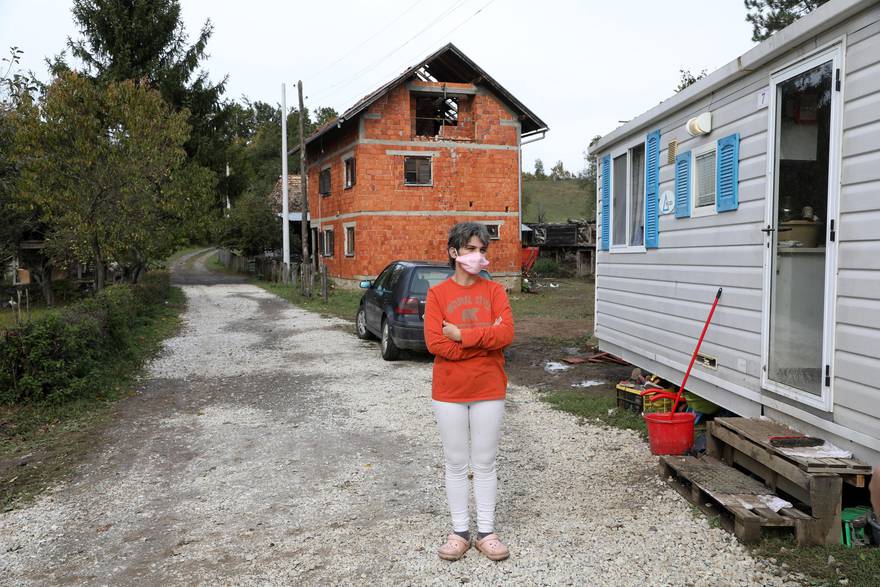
(462, 233)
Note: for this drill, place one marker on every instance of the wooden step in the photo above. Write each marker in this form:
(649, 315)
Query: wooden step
(759, 431)
(739, 501)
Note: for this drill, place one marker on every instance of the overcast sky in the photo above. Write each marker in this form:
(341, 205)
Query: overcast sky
(581, 65)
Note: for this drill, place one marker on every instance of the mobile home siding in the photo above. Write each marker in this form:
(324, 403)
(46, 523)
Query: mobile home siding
(650, 305)
(857, 333)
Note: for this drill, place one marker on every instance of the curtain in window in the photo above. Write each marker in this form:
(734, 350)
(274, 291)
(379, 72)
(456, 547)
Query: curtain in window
(637, 197)
(618, 217)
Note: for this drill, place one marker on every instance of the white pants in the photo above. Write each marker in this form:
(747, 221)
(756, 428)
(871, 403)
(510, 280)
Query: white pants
(474, 425)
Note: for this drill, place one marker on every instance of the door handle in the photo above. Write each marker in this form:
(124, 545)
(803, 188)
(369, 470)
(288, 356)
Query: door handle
(768, 230)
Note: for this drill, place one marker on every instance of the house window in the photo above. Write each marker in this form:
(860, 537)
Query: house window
(704, 182)
(327, 243)
(433, 113)
(350, 176)
(628, 198)
(324, 182)
(494, 231)
(349, 241)
(417, 171)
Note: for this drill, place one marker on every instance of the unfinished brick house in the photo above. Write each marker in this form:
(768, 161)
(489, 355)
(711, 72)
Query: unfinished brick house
(439, 144)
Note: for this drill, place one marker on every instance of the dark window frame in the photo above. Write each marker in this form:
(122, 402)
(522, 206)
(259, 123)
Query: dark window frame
(349, 173)
(327, 241)
(349, 241)
(324, 182)
(417, 173)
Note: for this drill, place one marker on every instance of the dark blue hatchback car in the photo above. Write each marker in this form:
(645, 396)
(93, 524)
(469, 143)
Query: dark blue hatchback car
(393, 307)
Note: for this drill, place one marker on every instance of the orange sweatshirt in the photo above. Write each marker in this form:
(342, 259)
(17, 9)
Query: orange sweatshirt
(473, 369)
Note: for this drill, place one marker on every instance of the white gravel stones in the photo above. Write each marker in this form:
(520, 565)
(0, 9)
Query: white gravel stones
(303, 458)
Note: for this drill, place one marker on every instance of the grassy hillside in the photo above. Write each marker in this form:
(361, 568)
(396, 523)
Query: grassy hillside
(559, 200)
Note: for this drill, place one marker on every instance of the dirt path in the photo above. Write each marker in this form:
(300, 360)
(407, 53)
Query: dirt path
(269, 446)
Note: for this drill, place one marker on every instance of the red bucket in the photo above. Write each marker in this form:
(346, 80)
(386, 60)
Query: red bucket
(670, 433)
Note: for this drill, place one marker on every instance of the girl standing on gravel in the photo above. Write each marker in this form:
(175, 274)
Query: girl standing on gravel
(467, 324)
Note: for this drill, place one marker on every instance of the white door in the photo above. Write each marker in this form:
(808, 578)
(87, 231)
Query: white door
(801, 244)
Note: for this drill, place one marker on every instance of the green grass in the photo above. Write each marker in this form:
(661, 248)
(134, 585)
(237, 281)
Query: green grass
(572, 300)
(558, 200)
(596, 408)
(178, 254)
(341, 303)
(861, 566)
(8, 316)
(57, 435)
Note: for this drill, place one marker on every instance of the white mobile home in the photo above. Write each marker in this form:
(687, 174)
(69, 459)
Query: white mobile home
(762, 178)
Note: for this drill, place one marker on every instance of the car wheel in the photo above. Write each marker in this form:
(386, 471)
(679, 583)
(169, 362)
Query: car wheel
(390, 352)
(361, 325)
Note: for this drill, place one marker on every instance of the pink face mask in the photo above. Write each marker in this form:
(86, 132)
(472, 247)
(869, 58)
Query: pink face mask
(473, 263)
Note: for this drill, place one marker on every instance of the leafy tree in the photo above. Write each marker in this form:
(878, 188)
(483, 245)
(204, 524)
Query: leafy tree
(539, 169)
(252, 227)
(17, 223)
(145, 41)
(106, 168)
(770, 16)
(558, 172)
(588, 178)
(688, 79)
(256, 150)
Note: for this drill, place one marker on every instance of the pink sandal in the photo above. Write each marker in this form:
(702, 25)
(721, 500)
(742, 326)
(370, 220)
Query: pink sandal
(454, 548)
(492, 547)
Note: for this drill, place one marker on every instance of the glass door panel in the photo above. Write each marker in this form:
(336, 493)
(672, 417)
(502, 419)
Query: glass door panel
(797, 290)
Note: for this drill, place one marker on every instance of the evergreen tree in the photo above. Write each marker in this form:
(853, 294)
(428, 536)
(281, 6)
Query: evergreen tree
(770, 16)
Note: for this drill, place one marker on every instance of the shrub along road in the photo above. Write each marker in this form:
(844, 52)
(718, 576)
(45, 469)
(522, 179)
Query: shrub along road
(268, 445)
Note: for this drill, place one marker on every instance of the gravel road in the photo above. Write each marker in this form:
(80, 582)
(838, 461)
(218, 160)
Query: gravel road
(269, 446)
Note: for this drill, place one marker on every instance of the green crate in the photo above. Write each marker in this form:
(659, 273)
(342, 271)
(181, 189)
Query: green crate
(849, 535)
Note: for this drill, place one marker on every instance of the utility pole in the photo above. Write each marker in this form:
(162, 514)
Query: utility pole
(304, 183)
(285, 228)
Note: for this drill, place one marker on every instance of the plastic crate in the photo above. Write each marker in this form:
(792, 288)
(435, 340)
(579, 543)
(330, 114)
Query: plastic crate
(630, 398)
(851, 536)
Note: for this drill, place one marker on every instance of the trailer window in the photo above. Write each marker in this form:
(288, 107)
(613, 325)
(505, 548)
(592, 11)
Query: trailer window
(637, 196)
(704, 180)
(628, 199)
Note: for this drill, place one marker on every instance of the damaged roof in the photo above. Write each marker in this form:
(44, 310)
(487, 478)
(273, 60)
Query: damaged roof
(448, 64)
(294, 193)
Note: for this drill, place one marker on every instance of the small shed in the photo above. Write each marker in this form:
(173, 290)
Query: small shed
(762, 178)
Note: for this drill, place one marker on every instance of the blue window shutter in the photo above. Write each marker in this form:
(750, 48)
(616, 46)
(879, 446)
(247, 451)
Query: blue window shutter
(606, 200)
(683, 185)
(652, 189)
(727, 177)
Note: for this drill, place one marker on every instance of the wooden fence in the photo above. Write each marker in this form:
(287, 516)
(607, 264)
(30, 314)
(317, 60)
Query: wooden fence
(265, 268)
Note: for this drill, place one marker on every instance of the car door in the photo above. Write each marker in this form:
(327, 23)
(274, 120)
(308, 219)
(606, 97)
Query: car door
(388, 288)
(373, 300)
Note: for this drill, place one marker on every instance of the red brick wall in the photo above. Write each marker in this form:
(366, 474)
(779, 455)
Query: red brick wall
(382, 239)
(464, 180)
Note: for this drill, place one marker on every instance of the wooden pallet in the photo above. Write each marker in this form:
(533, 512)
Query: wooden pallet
(817, 483)
(738, 500)
(760, 430)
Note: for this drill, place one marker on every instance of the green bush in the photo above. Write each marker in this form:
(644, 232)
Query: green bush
(545, 267)
(55, 358)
